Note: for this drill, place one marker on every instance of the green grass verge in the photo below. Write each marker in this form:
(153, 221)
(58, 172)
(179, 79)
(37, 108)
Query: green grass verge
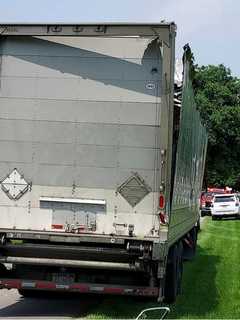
(211, 283)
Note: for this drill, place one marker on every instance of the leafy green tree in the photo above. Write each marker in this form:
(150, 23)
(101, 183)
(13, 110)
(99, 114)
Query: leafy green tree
(218, 99)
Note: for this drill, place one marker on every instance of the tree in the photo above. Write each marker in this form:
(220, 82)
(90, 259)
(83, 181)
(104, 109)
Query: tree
(217, 95)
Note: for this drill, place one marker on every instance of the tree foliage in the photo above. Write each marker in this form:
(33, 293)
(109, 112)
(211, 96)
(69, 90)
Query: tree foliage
(217, 95)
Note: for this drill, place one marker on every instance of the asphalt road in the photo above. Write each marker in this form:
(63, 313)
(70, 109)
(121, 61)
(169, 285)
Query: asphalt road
(12, 305)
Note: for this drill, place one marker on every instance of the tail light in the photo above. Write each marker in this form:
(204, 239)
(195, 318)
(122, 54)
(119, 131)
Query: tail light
(163, 217)
(57, 226)
(162, 214)
(161, 201)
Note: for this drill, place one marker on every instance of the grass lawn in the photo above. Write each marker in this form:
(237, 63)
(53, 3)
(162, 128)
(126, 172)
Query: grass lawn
(211, 283)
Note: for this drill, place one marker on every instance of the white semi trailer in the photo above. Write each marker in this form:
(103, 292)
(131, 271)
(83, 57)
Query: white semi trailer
(100, 166)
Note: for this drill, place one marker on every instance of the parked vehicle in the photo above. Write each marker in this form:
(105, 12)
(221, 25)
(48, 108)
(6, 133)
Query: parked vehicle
(206, 199)
(225, 205)
(206, 203)
(101, 171)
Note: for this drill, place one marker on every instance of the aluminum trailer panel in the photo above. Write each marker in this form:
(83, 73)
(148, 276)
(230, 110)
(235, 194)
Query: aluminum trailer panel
(84, 118)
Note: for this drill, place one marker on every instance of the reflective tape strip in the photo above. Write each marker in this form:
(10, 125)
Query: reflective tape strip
(146, 292)
(62, 286)
(57, 226)
(11, 284)
(45, 285)
(114, 290)
(79, 287)
(27, 284)
(97, 289)
(128, 291)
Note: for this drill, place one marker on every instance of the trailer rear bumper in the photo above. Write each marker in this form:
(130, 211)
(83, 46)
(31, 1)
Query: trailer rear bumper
(78, 287)
(30, 244)
(71, 263)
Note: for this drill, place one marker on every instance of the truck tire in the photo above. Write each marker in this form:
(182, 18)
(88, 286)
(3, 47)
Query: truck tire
(190, 244)
(194, 236)
(198, 226)
(173, 273)
(180, 267)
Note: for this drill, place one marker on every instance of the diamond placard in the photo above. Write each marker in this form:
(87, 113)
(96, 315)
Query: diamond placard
(134, 189)
(14, 185)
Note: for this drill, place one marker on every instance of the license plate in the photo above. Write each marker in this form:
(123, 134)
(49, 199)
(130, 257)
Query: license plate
(63, 278)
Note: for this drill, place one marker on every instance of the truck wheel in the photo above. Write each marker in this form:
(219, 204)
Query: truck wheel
(214, 218)
(198, 226)
(190, 244)
(173, 274)
(194, 236)
(180, 267)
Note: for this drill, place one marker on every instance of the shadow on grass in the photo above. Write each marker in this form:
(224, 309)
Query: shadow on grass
(122, 307)
(199, 295)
